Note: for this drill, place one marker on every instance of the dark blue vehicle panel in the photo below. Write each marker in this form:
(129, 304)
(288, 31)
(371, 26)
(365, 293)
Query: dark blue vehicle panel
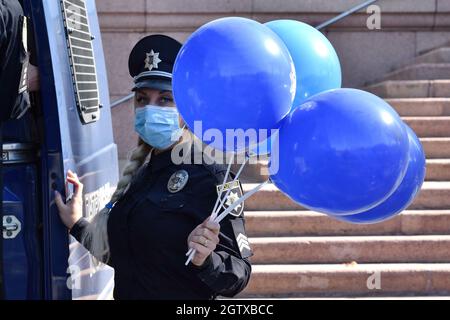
(38, 260)
(23, 263)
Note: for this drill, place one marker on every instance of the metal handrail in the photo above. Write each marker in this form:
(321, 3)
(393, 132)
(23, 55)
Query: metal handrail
(345, 13)
(319, 27)
(122, 100)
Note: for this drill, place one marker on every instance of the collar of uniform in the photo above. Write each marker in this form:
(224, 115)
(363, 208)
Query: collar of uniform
(161, 160)
(164, 158)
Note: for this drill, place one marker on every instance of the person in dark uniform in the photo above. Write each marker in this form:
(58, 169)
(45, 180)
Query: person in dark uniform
(17, 76)
(161, 207)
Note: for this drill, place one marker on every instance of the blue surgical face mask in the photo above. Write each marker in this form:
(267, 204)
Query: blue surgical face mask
(158, 126)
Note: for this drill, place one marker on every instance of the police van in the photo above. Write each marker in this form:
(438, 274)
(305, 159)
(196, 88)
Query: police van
(67, 127)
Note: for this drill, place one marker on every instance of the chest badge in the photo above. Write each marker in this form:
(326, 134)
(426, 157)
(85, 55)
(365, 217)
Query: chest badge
(234, 195)
(177, 181)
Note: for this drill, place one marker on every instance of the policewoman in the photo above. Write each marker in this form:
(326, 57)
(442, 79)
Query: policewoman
(160, 208)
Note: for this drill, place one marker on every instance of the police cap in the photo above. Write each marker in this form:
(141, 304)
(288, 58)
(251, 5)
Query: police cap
(151, 62)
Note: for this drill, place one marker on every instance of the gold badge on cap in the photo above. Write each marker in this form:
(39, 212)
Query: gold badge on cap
(234, 195)
(152, 60)
(177, 181)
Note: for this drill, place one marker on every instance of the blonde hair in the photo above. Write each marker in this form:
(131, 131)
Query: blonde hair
(95, 237)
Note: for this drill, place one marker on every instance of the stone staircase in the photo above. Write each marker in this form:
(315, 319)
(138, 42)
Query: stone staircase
(300, 253)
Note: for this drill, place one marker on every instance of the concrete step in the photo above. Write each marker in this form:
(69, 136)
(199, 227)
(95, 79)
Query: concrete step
(411, 89)
(438, 170)
(433, 195)
(255, 173)
(414, 107)
(429, 126)
(439, 55)
(311, 223)
(347, 280)
(436, 147)
(323, 298)
(346, 249)
(421, 71)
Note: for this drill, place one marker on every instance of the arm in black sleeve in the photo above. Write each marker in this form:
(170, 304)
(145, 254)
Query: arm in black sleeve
(78, 230)
(227, 270)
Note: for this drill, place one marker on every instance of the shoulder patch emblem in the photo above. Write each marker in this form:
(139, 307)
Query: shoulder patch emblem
(177, 181)
(242, 242)
(234, 195)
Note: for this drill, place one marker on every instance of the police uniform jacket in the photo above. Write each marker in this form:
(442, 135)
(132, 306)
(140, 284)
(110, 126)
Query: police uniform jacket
(148, 230)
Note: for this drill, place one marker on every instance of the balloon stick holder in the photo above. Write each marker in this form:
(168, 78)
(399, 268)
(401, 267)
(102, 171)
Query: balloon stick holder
(221, 200)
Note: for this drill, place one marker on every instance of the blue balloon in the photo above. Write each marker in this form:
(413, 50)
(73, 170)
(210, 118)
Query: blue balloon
(265, 147)
(342, 152)
(405, 193)
(316, 62)
(233, 73)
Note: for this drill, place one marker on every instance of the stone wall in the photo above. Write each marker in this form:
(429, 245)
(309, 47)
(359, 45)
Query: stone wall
(408, 27)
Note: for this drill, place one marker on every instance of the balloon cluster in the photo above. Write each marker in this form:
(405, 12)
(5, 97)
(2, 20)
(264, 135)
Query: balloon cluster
(343, 152)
